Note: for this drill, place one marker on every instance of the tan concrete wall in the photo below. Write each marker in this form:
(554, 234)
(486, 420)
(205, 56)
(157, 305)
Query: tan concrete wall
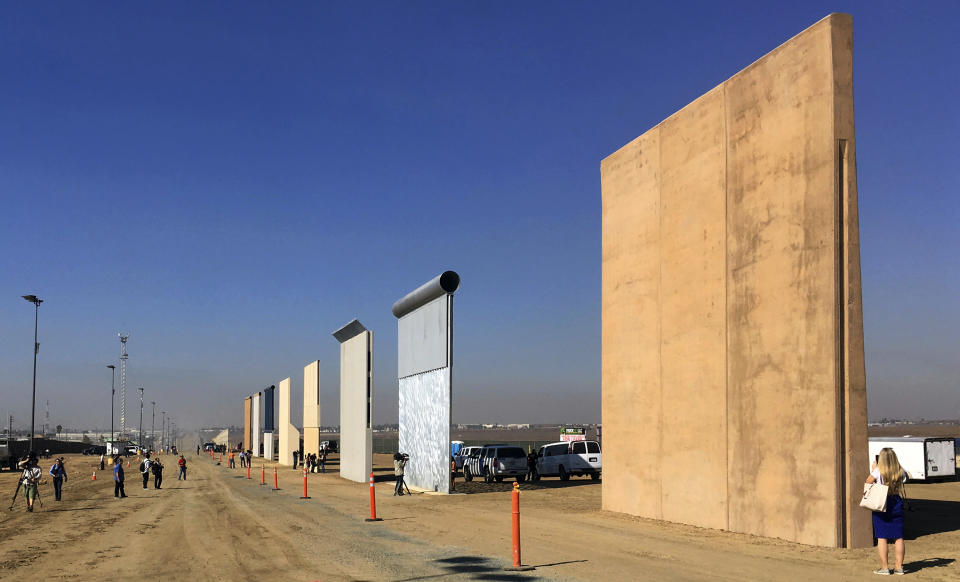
(733, 385)
(311, 408)
(247, 411)
(289, 436)
(356, 430)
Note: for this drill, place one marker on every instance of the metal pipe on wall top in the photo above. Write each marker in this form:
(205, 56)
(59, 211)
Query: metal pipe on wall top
(446, 282)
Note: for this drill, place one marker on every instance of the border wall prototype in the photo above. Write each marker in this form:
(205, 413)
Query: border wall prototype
(734, 394)
(288, 439)
(311, 408)
(356, 401)
(425, 372)
(255, 438)
(247, 404)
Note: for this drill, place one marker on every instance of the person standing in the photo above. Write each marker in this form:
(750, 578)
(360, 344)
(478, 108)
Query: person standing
(157, 468)
(198, 450)
(888, 524)
(296, 455)
(30, 479)
(323, 461)
(145, 469)
(182, 464)
(233, 463)
(102, 459)
(118, 477)
(59, 474)
(399, 461)
(243, 459)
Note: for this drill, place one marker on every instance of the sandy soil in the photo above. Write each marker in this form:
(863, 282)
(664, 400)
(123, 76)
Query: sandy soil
(218, 525)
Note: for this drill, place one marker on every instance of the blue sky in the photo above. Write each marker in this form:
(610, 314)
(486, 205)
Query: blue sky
(231, 182)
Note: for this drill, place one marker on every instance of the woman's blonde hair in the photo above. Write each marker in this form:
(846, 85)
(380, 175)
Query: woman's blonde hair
(891, 471)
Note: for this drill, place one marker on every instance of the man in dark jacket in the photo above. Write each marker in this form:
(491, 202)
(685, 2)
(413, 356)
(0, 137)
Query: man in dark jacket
(118, 477)
(59, 474)
(157, 468)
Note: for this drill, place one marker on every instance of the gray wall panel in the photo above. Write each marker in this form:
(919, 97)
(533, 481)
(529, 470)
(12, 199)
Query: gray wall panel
(422, 338)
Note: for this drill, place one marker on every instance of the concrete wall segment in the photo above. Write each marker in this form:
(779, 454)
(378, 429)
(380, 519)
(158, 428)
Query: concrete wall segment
(311, 407)
(630, 354)
(247, 421)
(257, 427)
(732, 330)
(356, 401)
(289, 436)
(692, 313)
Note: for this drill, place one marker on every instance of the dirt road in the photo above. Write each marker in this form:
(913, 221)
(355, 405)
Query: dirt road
(218, 525)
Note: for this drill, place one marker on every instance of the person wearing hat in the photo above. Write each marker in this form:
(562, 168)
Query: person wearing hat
(59, 474)
(30, 478)
(118, 477)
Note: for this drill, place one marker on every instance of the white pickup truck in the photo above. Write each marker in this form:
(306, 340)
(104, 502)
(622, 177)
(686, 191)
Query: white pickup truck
(569, 458)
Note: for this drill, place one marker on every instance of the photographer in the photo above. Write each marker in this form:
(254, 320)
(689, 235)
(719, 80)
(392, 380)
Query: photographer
(399, 461)
(30, 479)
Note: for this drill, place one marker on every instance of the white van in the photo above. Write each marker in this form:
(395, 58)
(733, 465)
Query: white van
(569, 458)
(921, 457)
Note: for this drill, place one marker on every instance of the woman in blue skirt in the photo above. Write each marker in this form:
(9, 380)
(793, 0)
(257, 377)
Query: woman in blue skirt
(888, 525)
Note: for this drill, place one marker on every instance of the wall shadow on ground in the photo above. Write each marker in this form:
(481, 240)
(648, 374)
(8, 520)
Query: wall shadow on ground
(930, 516)
(474, 568)
(478, 485)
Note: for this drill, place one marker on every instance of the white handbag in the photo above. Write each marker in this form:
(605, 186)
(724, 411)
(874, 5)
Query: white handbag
(874, 496)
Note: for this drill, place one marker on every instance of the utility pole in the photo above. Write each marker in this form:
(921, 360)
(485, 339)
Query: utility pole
(36, 350)
(123, 383)
(153, 433)
(163, 429)
(140, 444)
(113, 375)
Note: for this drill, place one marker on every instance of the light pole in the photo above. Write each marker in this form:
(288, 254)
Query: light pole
(113, 377)
(140, 444)
(163, 429)
(36, 349)
(153, 419)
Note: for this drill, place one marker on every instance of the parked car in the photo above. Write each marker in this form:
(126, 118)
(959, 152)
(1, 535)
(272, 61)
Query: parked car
(209, 446)
(494, 462)
(563, 459)
(463, 454)
(331, 446)
(95, 450)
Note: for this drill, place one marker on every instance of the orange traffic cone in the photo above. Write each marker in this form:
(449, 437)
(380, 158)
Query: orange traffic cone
(94, 477)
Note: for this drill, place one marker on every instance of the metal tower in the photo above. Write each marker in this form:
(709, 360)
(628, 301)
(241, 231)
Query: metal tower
(123, 383)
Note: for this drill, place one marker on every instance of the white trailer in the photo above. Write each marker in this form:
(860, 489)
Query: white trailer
(921, 457)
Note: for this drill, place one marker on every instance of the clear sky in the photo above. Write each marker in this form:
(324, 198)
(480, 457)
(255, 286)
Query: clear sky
(231, 182)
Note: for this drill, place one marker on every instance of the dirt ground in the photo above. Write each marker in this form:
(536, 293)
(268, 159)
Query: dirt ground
(218, 525)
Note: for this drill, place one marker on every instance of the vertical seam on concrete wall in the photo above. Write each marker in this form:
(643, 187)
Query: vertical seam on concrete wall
(660, 319)
(841, 318)
(726, 311)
